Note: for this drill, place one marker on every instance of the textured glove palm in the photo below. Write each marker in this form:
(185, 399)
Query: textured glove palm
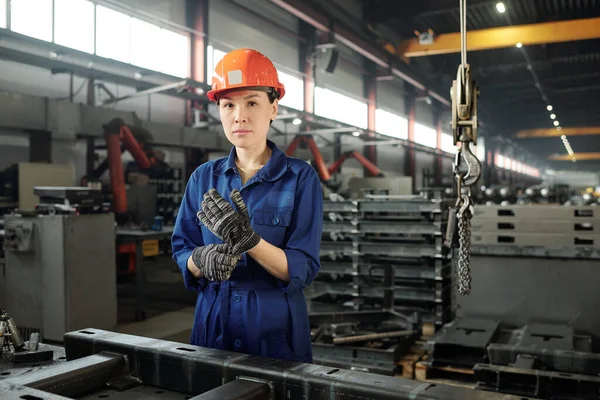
(231, 226)
(216, 261)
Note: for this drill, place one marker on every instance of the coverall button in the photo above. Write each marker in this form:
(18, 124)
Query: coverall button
(237, 342)
(275, 220)
(237, 298)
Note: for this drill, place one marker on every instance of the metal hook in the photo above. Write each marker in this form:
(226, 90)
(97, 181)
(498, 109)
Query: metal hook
(473, 165)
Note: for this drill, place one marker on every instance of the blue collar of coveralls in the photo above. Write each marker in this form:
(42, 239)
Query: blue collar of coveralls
(273, 170)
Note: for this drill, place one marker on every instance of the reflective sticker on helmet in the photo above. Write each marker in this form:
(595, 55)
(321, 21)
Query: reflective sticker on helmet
(234, 77)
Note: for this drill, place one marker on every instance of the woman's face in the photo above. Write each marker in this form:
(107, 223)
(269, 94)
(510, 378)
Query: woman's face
(246, 116)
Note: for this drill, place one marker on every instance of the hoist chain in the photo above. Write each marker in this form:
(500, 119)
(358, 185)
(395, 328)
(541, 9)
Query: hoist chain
(466, 167)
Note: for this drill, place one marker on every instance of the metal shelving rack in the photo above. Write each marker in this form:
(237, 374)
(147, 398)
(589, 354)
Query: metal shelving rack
(384, 251)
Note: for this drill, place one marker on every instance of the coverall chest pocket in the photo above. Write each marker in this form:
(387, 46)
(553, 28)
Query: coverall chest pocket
(272, 225)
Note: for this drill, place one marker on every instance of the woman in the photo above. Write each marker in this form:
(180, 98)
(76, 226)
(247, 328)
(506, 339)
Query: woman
(247, 235)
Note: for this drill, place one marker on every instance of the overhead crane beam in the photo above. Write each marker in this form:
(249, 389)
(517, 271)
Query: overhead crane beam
(553, 132)
(503, 37)
(575, 156)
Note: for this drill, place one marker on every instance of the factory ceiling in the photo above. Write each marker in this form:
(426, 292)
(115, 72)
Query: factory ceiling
(557, 65)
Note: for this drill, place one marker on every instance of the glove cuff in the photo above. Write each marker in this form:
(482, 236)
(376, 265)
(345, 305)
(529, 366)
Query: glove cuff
(197, 257)
(248, 243)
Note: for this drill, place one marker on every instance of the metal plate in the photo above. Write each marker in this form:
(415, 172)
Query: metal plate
(538, 212)
(584, 253)
(501, 226)
(549, 240)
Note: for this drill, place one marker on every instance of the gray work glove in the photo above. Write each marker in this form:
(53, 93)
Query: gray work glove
(216, 261)
(229, 225)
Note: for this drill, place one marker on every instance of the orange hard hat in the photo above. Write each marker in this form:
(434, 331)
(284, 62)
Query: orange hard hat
(244, 68)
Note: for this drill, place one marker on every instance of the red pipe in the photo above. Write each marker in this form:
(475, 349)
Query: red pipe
(133, 146)
(117, 176)
(333, 168)
(372, 168)
(293, 146)
(321, 166)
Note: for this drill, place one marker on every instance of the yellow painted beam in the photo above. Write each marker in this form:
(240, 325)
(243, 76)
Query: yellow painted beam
(553, 132)
(575, 156)
(509, 36)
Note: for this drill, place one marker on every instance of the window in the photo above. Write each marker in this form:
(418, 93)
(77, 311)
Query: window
(294, 91)
(74, 32)
(448, 143)
(213, 56)
(3, 14)
(174, 54)
(32, 18)
(425, 136)
(338, 107)
(113, 34)
(389, 124)
(499, 161)
(145, 44)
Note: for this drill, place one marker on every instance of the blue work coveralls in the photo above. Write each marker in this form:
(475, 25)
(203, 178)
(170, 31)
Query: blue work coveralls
(253, 312)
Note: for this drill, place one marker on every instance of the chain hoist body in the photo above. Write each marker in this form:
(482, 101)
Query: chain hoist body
(466, 167)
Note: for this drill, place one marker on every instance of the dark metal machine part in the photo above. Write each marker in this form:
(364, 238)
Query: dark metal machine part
(464, 342)
(174, 367)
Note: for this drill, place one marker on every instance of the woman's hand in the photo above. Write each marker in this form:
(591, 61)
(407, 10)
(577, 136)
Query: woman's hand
(231, 226)
(216, 262)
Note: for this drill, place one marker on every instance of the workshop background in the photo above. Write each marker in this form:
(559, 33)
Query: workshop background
(103, 117)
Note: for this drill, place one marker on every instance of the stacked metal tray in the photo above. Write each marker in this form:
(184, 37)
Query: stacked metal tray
(386, 251)
(562, 230)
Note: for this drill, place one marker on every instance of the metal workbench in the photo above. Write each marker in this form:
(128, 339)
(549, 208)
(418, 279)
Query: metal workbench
(103, 364)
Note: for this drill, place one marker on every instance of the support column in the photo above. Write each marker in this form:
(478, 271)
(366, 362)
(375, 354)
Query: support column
(410, 162)
(197, 19)
(370, 91)
(438, 168)
(305, 50)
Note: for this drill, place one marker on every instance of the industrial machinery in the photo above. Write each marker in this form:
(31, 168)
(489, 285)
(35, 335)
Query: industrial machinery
(547, 361)
(59, 274)
(101, 364)
(120, 137)
(325, 172)
(68, 200)
(383, 259)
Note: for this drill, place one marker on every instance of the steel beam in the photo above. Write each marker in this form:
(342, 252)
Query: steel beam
(553, 132)
(504, 37)
(576, 156)
(240, 389)
(76, 377)
(197, 370)
(305, 13)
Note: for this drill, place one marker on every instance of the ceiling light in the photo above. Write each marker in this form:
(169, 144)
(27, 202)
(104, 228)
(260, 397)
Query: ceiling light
(553, 116)
(556, 123)
(500, 7)
(559, 128)
(356, 133)
(297, 121)
(519, 45)
(563, 137)
(549, 108)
